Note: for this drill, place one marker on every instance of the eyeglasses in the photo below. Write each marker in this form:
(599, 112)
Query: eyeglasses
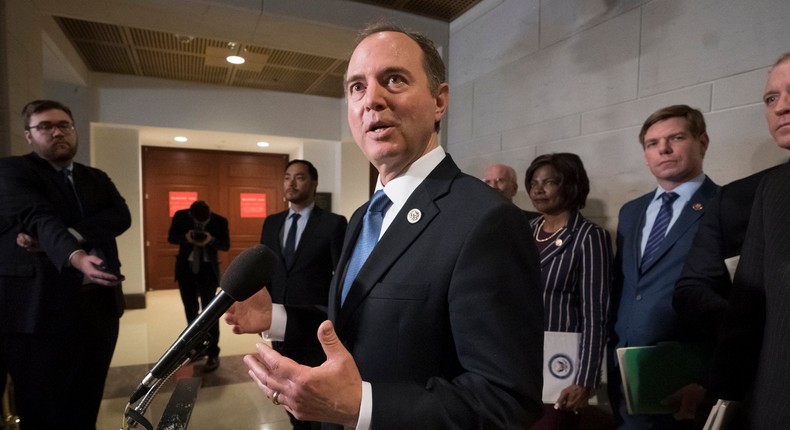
(47, 127)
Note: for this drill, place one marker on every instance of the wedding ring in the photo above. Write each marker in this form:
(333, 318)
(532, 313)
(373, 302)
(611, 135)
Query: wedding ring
(276, 398)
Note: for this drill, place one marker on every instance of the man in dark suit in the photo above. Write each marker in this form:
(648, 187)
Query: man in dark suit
(199, 234)
(441, 327)
(751, 362)
(700, 297)
(308, 241)
(60, 293)
(503, 178)
(654, 235)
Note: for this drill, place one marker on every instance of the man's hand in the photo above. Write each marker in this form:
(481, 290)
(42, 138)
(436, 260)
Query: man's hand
(685, 401)
(330, 393)
(27, 241)
(89, 266)
(203, 236)
(253, 315)
(572, 399)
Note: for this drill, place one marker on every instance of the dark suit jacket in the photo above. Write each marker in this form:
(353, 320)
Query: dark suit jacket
(755, 337)
(218, 228)
(700, 297)
(39, 292)
(644, 308)
(445, 318)
(306, 283)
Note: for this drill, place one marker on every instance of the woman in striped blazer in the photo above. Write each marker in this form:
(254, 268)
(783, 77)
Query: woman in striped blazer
(576, 258)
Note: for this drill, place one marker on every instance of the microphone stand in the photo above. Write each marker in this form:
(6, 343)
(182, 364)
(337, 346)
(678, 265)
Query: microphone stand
(134, 415)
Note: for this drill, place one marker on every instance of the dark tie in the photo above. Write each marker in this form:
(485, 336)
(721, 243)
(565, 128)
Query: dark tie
(290, 242)
(659, 230)
(371, 228)
(197, 251)
(74, 197)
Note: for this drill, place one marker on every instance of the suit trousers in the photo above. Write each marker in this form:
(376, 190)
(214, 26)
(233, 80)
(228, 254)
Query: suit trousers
(40, 389)
(200, 286)
(94, 344)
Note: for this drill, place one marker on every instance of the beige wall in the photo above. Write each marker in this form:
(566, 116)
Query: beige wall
(530, 77)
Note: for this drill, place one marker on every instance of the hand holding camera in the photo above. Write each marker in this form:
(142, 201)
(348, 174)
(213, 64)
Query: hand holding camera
(198, 237)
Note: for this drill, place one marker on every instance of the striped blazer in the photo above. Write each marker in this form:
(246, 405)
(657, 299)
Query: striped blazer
(576, 273)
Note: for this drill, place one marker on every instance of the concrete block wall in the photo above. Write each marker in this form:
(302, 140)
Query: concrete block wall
(529, 77)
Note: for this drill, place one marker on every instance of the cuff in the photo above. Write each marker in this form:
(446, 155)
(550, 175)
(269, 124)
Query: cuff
(365, 407)
(276, 331)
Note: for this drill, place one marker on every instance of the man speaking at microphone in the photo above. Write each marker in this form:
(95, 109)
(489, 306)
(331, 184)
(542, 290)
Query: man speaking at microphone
(442, 325)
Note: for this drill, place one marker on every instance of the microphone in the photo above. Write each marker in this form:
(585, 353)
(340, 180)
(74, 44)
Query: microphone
(247, 274)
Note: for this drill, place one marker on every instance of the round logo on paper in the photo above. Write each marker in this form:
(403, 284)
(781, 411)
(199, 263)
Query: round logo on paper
(560, 366)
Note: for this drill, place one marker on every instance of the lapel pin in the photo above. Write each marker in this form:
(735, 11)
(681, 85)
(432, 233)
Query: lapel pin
(697, 207)
(414, 216)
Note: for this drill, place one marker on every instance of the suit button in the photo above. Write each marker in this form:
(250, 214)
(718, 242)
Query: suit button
(638, 297)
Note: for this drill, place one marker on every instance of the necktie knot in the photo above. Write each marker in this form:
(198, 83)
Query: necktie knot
(669, 197)
(295, 217)
(379, 202)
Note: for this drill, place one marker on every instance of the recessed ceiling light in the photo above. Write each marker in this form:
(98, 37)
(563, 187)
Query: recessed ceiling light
(180, 139)
(263, 144)
(234, 59)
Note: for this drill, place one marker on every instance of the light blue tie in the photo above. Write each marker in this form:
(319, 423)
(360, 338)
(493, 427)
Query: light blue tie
(659, 230)
(371, 228)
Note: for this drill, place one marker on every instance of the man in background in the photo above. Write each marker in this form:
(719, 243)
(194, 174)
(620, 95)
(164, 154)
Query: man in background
(199, 234)
(654, 235)
(442, 325)
(60, 292)
(750, 362)
(308, 241)
(503, 178)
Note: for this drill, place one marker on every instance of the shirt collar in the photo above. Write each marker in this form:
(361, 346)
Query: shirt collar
(399, 189)
(684, 190)
(304, 213)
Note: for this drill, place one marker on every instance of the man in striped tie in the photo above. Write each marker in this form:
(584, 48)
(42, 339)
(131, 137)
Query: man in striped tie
(654, 234)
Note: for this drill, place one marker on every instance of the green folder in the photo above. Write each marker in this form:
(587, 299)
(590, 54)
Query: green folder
(651, 373)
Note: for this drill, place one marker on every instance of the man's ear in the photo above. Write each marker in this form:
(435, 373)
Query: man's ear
(705, 140)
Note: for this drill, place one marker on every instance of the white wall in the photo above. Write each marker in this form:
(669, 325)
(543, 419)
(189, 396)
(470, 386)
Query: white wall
(116, 150)
(529, 77)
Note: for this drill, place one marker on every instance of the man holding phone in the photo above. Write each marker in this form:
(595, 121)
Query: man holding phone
(199, 234)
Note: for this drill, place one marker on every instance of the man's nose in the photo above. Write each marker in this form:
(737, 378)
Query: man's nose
(783, 104)
(664, 147)
(374, 97)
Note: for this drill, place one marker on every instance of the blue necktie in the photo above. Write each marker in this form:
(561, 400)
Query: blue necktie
(659, 230)
(290, 241)
(371, 228)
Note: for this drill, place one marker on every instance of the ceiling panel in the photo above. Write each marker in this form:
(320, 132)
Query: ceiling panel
(118, 49)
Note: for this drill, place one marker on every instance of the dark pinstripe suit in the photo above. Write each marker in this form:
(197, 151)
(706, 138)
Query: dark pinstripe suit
(576, 277)
(754, 347)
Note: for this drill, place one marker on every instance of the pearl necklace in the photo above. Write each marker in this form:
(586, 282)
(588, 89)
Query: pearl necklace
(551, 236)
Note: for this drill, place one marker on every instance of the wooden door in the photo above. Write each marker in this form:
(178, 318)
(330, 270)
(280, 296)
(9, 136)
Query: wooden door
(218, 177)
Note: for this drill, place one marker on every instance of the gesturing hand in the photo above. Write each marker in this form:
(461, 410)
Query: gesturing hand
(253, 315)
(330, 393)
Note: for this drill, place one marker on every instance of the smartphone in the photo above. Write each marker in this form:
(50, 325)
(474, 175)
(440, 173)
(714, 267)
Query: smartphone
(104, 268)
